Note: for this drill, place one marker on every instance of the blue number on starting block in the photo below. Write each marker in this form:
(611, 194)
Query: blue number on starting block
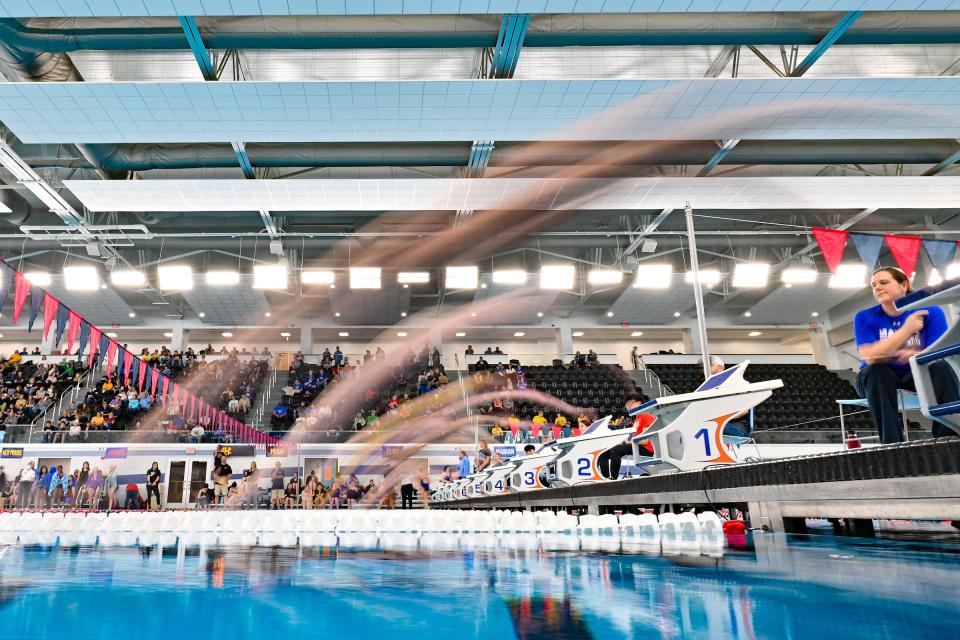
(528, 478)
(583, 468)
(499, 485)
(706, 440)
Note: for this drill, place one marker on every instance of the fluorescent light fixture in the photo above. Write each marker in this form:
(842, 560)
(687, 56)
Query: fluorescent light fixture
(167, 334)
(609, 314)
(132, 314)
(798, 275)
(751, 275)
(754, 334)
(175, 277)
(518, 334)
(364, 277)
(284, 334)
(401, 334)
(461, 334)
(270, 276)
(676, 314)
(636, 334)
(268, 314)
(653, 276)
(202, 314)
(81, 278)
(128, 278)
(413, 277)
(337, 314)
(510, 276)
(111, 334)
(344, 334)
(604, 276)
(403, 314)
(747, 314)
(461, 278)
(953, 271)
(222, 278)
(557, 276)
(849, 276)
(934, 278)
(814, 314)
(227, 334)
(317, 277)
(578, 334)
(708, 277)
(539, 314)
(38, 278)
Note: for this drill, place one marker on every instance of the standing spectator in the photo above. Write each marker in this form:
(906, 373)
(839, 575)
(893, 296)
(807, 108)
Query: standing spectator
(276, 486)
(464, 464)
(338, 356)
(111, 486)
(153, 484)
(406, 491)
(27, 478)
(221, 479)
(483, 455)
(635, 357)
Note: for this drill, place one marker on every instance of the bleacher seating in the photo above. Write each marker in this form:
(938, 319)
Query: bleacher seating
(600, 387)
(807, 401)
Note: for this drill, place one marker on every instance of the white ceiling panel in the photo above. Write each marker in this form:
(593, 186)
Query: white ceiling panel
(461, 110)
(140, 8)
(376, 307)
(652, 306)
(788, 193)
(102, 307)
(144, 66)
(357, 64)
(515, 309)
(228, 305)
(795, 304)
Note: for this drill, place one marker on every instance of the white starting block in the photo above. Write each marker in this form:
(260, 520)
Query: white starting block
(946, 349)
(497, 481)
(529, 473)
(688, 431)
(577, 461)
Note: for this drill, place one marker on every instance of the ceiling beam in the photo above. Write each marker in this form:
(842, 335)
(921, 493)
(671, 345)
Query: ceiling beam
(943, 165)
(192, 32)
(828, 41)
(650, 228)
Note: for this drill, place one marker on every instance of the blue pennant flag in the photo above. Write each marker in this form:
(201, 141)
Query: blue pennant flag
(36, 303)
(941, 253)
(102, 349)
(84, 336)
(134, 371)
(869, 247)
(63, 314)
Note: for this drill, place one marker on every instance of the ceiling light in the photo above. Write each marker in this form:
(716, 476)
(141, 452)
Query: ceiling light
(747, 314)
(751, 275)
(202, 314)
(578, 334)
(284, 334)
(270, 276)
(128, 278)
(337, 314)
(653, 276)
(403, 314)
(604, 276)
(167, 334)
(406, 286)
(111, 334)
(267, 314)
(798, 275)
(413, 277)
(473, 315)
(539, 314)
(103, 285)
(316, 277)
(849, 276)
(1, 335)
(82, 278)
(676, 314)
(609, 314)
(461, 278)
(814, 314)
(518, 334)
(132, 314)
(175, 277)
(934, 278)
(483, 285)
(222, 278)
(636, 334)
(401, 334)
(953, 271)
(708, 277)
(38, 278)
(557, 276)
(461, 334)
(364, 277)
(754, 334)
(227, 334)
(344, 334)
(510, 276)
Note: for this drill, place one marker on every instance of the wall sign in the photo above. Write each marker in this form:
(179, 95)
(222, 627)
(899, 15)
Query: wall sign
(11, 452)
(115, 452)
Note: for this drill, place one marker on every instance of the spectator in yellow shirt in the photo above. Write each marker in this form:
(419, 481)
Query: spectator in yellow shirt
(539, 423)
(558, 425)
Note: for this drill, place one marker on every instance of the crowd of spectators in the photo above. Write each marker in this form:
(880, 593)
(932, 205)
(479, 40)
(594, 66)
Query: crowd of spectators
(28, 389)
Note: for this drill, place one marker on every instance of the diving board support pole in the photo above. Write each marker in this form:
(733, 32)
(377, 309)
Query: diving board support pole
(697, 292)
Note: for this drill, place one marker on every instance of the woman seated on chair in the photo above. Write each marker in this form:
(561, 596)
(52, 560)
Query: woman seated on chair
(886, 339)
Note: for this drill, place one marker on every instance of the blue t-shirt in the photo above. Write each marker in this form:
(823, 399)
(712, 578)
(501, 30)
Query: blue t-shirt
(872, 325)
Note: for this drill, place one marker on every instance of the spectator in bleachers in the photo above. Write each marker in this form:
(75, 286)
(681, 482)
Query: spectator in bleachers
(469, 350)
(887, 338)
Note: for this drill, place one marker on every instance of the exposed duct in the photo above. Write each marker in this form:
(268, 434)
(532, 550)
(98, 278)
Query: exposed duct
(22, 212)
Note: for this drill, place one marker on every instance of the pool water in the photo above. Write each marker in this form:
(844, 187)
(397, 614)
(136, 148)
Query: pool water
(770, 587)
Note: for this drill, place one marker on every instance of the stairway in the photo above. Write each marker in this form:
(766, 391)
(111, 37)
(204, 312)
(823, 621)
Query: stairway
(647, 382)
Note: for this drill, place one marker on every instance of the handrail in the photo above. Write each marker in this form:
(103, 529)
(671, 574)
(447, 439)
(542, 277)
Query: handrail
(267, 391)
(73, 391)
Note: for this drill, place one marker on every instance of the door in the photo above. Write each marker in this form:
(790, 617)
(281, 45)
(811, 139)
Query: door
(183, 481)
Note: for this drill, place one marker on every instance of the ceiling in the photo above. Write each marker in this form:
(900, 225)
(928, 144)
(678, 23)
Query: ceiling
(414, 135)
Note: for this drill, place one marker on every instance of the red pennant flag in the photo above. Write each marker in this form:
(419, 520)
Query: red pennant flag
(176, 392)
(73, 329)
(165, 387)
(94, 343)
(154, 376)
(50, 306)
(832, 242)
(127, 363)
(142, 373)
(193, 407)
(111, 355)
(20, 292)
(905, 250)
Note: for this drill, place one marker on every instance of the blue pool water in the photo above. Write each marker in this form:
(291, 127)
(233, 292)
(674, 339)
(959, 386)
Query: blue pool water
(771, 587)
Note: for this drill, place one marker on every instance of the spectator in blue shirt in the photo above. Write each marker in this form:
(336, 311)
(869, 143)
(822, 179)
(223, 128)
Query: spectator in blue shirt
(464, 464)
(279, 416)
(338, 356)
(886, 339)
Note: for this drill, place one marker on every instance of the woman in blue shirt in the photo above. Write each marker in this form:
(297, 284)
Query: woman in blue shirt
(886, 339)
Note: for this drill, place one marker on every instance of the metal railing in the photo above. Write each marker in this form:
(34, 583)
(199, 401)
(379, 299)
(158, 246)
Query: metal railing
(70, 395)
(266, 391)
(652, 381)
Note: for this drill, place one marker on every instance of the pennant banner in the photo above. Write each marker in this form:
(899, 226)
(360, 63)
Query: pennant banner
(127, 364)
(20, 292)
(832, 243)
(905, 250)
(869, 247)
(94, 335)
(154, 376)
(63, 315)
(941, 254)
(112, 347)
(139, 368)
(36, 301)
(50, 307)
(165, 387)
(78, 328)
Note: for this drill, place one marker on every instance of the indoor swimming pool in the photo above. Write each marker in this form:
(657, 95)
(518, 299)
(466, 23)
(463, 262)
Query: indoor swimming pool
(429, 586)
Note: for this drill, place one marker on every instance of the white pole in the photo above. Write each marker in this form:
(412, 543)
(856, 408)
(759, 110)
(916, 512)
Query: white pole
(697, 292)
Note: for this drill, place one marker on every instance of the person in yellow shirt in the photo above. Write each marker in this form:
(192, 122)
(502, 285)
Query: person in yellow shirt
(559, 424)
(15, 358)
(107, 386)
(539, 423)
